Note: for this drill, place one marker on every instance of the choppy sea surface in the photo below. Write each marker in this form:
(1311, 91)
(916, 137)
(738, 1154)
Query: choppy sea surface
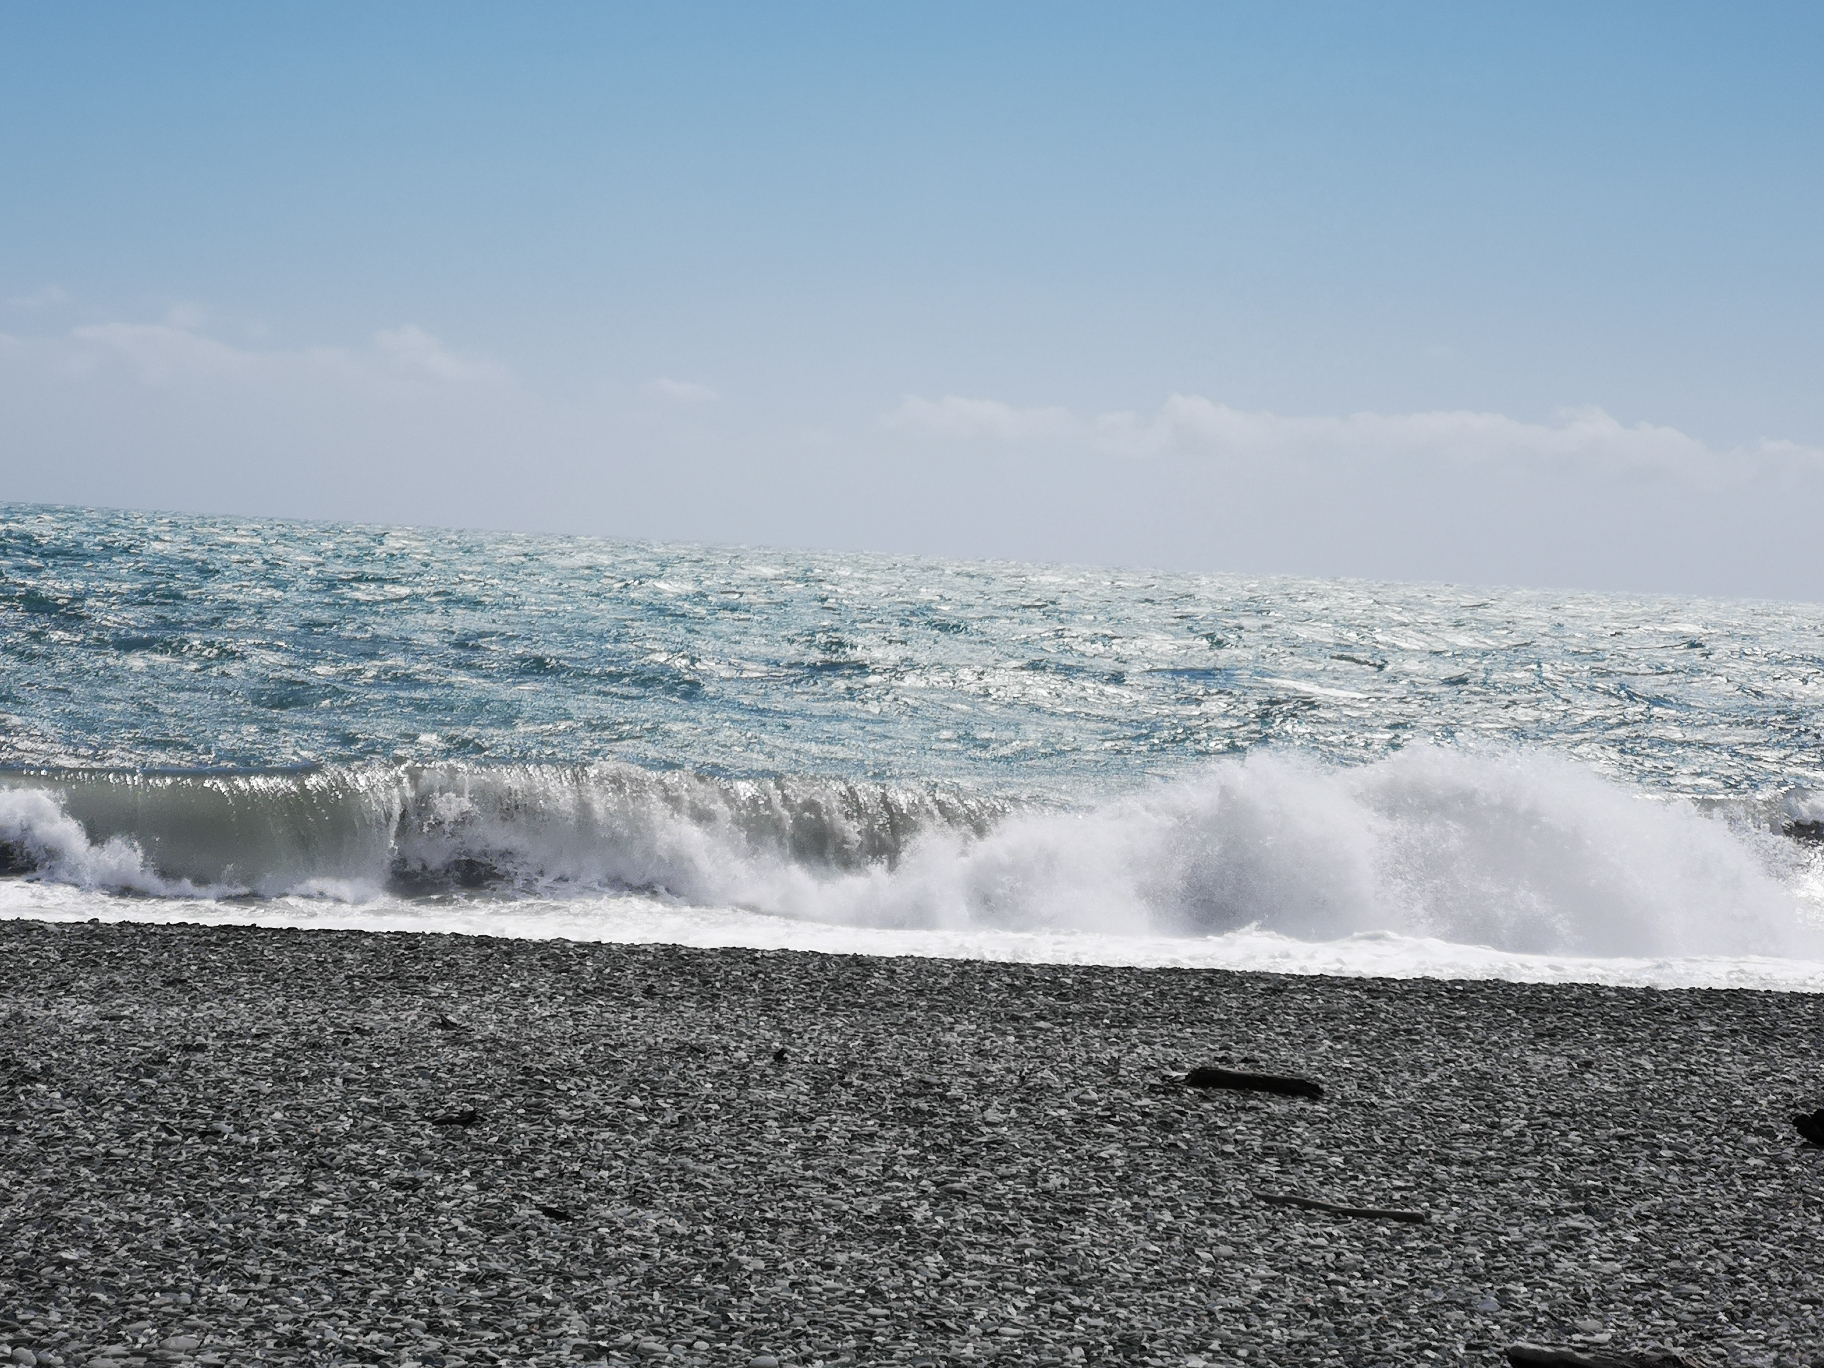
(309, 724)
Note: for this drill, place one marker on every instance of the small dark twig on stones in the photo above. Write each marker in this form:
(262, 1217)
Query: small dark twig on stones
(467, 1116)
(1363, 1213)
(1537, 1356)
(1210, 1076)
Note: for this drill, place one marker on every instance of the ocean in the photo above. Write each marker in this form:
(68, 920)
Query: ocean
(211, 719)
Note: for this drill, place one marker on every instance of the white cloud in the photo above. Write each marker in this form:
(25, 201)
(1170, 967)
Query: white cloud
(189, 317)
(1581, 439)
(174, 351)
(44, 297)
(397, 428)
(954, 416)
(401, 428)
(155, 353)
(152, 415)
(411, 351)
(680, 391)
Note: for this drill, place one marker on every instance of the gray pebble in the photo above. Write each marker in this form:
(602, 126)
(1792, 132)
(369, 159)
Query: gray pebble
(914, 1181)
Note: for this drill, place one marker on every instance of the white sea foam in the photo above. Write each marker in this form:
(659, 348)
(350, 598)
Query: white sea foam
(39, 833)
(641, 921)
(1433, 861)
(1527, 853)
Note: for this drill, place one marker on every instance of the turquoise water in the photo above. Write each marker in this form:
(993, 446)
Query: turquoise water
(133, 640)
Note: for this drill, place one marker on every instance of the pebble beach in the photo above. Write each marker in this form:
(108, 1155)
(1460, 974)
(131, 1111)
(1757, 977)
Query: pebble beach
(224, 1145)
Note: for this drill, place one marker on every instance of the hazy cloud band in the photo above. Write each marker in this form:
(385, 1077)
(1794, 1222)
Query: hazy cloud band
(1585, 439)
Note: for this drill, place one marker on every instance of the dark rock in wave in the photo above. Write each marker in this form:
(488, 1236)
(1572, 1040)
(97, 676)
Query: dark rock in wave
(16, 859)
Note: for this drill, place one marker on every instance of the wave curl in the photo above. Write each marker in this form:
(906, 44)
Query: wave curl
(1522, 851)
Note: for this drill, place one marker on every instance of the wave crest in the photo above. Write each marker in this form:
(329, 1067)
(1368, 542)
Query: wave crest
(429, 830)
(1521, 851)
(38, 837)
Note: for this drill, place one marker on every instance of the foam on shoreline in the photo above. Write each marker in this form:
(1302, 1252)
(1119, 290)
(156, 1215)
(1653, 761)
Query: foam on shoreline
(642, 921)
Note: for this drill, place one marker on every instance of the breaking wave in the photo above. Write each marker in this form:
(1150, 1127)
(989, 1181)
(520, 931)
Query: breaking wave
(1522, 851)
(418, 831)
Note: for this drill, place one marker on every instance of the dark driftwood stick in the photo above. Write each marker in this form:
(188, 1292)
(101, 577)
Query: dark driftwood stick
(1537, 1356)
(1366, 1213)
(1209, 1076)
(1811, 1128)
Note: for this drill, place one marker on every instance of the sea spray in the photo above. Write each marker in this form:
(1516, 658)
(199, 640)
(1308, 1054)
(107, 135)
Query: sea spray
(1524, 852)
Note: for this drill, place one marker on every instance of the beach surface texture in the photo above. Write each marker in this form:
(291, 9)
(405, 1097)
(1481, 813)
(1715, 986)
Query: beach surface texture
(226, 1145)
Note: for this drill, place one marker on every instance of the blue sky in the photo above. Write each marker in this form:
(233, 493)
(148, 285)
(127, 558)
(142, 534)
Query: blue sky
(1427, 291)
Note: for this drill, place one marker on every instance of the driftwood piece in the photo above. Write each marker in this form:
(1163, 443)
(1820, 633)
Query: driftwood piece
(1209, 1076)
(1811, 1127)
(1361, 1213)
(1538, 1356)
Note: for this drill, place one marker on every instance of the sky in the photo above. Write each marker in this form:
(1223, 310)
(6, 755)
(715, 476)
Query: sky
(1485, 294)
